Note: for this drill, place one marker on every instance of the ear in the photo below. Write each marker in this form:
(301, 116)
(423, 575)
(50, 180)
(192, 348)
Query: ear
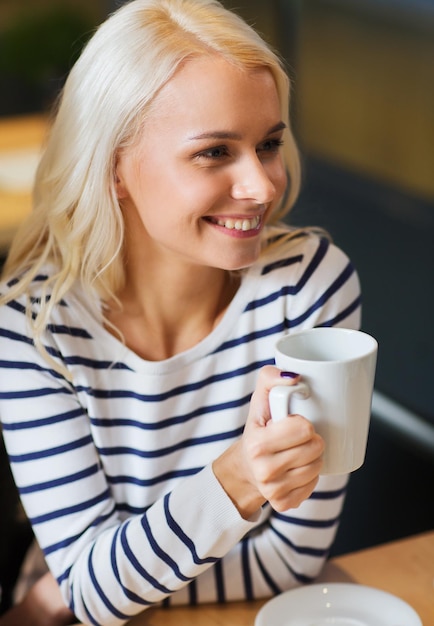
(120, 186)
(121, 190)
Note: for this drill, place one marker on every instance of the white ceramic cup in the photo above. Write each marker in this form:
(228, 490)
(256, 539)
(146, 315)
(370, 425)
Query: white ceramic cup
(337, 368)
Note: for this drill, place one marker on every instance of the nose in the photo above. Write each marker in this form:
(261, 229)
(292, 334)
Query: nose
(252, 182)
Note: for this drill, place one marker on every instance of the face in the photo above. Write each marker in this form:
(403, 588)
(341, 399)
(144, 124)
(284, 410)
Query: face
(207, 170)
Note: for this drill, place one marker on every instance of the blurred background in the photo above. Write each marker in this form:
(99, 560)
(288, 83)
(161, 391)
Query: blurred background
(363, 114)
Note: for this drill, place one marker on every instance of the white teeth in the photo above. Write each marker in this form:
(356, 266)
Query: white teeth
(240, 224)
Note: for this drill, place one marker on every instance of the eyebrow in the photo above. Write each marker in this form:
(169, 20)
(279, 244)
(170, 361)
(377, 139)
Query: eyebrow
(222, 134)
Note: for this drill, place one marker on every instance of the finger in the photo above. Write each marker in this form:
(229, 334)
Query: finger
(294, 431)
(269, 377)
(275, 466)
(293, 487)
(294, 498)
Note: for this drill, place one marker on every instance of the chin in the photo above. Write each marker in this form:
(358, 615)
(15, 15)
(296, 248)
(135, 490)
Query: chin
(239, 265)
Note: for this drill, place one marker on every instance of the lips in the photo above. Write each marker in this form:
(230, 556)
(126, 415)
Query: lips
(244, 224)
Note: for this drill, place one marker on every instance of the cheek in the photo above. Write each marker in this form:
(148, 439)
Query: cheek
(279, 179)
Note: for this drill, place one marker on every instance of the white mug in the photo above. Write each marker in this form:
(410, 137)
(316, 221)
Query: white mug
(337, 368)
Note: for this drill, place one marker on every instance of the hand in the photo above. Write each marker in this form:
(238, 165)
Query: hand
(278, 462)
(42, 606)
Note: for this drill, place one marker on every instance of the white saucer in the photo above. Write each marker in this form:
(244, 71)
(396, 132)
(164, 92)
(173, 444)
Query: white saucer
(337, 604)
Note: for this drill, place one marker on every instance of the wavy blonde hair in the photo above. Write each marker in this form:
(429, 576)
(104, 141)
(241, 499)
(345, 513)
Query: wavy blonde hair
(76, 223)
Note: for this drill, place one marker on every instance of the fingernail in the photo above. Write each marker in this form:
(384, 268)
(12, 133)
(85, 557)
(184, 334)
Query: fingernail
(288, 374)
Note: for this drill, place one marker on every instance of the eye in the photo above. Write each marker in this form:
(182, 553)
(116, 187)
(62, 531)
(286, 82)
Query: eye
(216, 152)
(270, 146)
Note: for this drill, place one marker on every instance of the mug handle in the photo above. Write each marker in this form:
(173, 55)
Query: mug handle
(279, 399)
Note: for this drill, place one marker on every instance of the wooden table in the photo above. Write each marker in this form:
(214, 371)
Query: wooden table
(404, 568)
(18, 135)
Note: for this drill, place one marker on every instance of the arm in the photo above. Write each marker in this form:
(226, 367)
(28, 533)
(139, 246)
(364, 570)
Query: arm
(292, 546)
(111, 560)
(111, 563)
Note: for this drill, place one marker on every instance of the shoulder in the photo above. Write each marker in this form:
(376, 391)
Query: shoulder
(314, 278)
(35, 293)
(303, 251)
(25, 303)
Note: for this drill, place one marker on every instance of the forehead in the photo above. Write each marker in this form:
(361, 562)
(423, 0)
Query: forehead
(209, 89)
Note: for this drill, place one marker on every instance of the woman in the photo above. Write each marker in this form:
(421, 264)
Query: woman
(142, 301)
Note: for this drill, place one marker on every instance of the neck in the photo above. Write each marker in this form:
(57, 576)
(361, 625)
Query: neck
(169, 309)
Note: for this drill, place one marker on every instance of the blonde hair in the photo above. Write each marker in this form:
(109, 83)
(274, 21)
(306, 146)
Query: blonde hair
(76, 223)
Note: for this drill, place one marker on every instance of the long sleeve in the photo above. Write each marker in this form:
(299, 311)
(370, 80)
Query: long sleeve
(114, 468)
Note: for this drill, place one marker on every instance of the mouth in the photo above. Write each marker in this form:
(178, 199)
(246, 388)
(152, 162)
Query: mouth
(240, 224)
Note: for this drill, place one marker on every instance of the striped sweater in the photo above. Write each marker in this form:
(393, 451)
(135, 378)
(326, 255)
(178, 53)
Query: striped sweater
(114, 468)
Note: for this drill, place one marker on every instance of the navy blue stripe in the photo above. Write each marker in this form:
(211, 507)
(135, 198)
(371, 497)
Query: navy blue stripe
(60, 545)
(316, 261)
(316, 552)
(73, 360)
(281, 237)
(15, 305)
(33, 393)
(64, 576)
(192, 592)
(143, 482)
(90, 617)
(337, 284)
(44, 421)
(162, 554)
(303, 579)
(137, 565)
(64, 480)
(42, 454)
(328, 495)
(291, 290)
(73, 331)
(100, 519)
(71, 602)
(219, 582)
(111, 607)
(68, 360)
(284, 291)
(271, 267)
(182, 445)
(95, 364)
(70, 510)
(343, 314)
(129, 594)
(24, 365)
(60, 329)
(318, 304)
(177, 530)
(258, 334)
(177, 419)
(292, 323)
(40, 278)
(267, 576)
(308, 523)
(247, 572)
(159, 397)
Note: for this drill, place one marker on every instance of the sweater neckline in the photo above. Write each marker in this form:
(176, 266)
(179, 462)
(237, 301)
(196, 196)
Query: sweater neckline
(206, 346)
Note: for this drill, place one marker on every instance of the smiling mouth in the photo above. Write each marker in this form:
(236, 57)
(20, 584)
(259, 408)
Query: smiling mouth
(237, 224)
